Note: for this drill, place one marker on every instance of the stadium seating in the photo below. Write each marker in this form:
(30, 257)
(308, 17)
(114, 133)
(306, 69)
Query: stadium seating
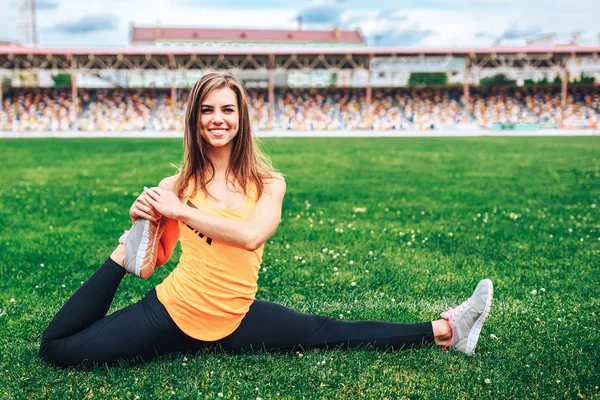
(111, 110)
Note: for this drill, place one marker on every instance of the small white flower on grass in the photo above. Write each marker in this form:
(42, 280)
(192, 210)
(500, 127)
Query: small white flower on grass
(37, 286)
(537, 320)
(42, 264)
(542, 289)
(408, 243)
(324, 250)
(450, 234)
(370, 252)
(12, 300)
(258, 398)
(359, 209)
(560, 320)
(492, 336)
(287, 246)
(367, 271)
(558, 381)
(487, 381)
(303, 261)
(220, 394)
(351, 262)
(353, 284)
(335, 269)
(341, 315)
(184, 364)
(533, 292)
(63, 285)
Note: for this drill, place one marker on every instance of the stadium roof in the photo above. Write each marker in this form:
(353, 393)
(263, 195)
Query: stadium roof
(160, 33)
(374, 51)
(290, 58)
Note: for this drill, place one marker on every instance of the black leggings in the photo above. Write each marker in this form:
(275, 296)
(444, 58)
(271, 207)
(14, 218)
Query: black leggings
(82, 335)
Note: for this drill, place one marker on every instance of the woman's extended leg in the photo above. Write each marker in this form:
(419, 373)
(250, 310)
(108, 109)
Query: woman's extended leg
(273, 326)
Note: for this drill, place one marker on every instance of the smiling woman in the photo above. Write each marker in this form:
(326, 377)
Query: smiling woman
(222, 206)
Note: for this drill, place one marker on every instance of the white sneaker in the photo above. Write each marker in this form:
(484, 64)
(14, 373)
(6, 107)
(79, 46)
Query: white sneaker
(466, 320)
(141, 246)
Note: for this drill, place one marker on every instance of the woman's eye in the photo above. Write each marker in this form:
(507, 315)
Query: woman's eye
(206, 111)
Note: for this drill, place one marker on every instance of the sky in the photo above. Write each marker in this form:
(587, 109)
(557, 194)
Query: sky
(421, 23)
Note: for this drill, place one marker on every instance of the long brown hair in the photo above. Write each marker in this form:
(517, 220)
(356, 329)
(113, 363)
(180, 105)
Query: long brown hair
(247, 164)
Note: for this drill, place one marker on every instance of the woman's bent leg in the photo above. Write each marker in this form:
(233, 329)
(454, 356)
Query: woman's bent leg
(142, 330)
(271, 326)
(88, 304)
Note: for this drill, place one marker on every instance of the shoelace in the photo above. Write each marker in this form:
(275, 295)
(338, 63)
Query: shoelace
(124, 237)
(451, 313)
(449, 316)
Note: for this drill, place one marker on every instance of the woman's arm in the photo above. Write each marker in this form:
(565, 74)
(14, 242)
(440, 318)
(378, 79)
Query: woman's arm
(248, 233)
(170, 235)
(141, 208)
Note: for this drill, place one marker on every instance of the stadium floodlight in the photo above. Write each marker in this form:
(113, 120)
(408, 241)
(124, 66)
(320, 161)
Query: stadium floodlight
(27, 23)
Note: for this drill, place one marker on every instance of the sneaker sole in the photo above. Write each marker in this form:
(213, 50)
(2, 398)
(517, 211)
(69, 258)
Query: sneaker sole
(476, 329)
(141, 250)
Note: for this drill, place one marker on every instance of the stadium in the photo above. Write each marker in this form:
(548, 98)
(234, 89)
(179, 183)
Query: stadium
(313, 82)
(412, 172)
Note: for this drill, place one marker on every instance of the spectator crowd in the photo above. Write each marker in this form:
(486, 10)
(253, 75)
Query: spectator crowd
(24, 110)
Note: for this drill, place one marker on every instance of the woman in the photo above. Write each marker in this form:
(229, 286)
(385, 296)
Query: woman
(223, 205)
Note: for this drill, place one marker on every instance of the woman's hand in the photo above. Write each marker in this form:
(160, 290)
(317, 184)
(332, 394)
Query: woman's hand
(165, 202)
(142, 208)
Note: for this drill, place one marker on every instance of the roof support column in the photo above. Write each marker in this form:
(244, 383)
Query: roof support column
(271, 89)
(74, 98)
(369, 91)
(466, 91)
(173, 98)
(564, 76)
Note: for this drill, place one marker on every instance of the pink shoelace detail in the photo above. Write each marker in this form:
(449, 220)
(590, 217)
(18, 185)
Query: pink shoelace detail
(453, 312)
(449, 316)
(124, 237)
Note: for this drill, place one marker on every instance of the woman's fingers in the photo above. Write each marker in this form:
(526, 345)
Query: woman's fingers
(143, 214)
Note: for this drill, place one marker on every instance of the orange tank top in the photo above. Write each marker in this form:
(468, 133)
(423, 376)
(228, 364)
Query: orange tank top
(211, 289)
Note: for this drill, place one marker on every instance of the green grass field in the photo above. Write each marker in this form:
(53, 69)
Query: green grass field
(439, 214)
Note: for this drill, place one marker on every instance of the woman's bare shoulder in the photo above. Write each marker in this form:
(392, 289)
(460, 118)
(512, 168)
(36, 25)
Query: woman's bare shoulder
(169, 182)
(276, 183)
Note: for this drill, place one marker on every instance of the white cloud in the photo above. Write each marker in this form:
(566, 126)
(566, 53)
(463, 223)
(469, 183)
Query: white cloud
(461, 23)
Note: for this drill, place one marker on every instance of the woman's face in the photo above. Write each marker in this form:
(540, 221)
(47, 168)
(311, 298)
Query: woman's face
(219, 117)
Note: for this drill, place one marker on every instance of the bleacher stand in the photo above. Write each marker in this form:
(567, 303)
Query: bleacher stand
(305, 109)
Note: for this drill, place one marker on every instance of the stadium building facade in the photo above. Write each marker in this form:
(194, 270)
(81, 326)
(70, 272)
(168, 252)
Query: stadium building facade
(173, 59)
